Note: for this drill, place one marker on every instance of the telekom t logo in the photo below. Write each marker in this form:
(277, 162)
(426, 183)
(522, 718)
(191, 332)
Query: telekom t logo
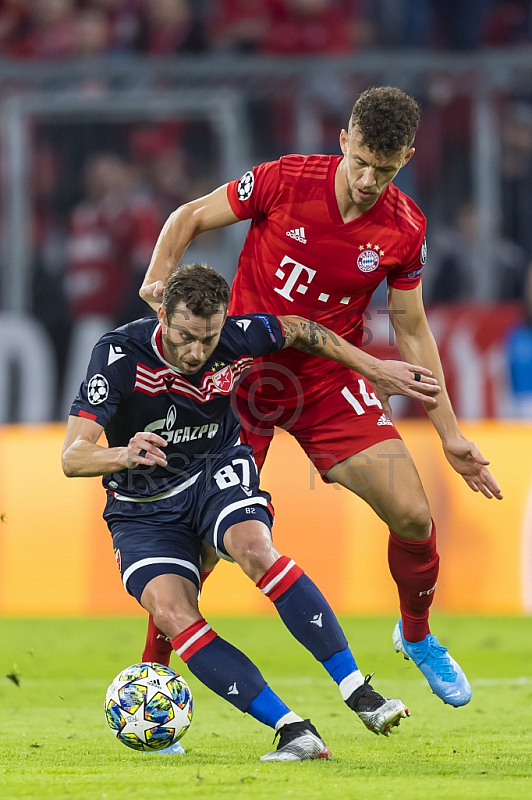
(295, 272)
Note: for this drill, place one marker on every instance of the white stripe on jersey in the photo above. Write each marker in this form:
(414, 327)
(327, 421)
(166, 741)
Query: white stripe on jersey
(152, 381)
(251, 501)
(161, 496)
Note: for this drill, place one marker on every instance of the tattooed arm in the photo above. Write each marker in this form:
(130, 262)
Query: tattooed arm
(387, 377)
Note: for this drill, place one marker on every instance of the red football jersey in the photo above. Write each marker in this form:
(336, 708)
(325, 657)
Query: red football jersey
(299, 256)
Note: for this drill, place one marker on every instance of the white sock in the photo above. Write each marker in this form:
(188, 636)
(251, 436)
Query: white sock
(349, 684)
(287, 719)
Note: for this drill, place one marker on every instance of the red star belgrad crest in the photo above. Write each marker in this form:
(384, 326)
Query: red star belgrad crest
(369, 257)
(224, 380)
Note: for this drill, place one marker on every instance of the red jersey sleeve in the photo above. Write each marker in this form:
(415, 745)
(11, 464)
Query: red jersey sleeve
(408, 274)
(255, 192)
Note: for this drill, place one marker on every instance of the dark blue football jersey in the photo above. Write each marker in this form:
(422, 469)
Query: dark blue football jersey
(130, 388)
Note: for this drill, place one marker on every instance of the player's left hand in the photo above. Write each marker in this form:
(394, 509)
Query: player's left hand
(152, 294)
(467, 460)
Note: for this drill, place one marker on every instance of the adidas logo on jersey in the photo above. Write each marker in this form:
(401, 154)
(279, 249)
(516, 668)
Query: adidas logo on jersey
(383, 420)
(298, 234)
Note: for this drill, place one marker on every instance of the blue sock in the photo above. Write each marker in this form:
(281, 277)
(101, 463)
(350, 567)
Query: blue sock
(268, 708)
(340, 665)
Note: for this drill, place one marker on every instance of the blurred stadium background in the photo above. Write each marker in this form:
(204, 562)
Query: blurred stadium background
(113, 112)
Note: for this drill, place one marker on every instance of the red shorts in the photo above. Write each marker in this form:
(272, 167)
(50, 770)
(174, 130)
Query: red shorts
(346, 418)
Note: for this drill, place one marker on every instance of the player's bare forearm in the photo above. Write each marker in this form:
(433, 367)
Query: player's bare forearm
(83, 459)
(176, 235)
(462, 454)
(182, 226)
(417, 344)
(316, 339)
(421, 348)
(388, 377)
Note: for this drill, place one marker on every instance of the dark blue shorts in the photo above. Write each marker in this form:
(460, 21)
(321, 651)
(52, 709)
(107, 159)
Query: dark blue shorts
(165, 536)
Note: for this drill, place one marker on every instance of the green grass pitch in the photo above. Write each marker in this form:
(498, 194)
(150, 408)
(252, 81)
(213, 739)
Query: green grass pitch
(55, 744)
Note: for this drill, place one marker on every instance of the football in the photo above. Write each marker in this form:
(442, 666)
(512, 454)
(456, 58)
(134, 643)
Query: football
(148, 706)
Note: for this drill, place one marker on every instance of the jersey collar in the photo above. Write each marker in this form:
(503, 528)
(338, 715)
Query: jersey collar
(157, 344)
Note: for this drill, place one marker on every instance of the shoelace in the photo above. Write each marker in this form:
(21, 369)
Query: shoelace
(372, 699)
(438, 653)
(276, 735)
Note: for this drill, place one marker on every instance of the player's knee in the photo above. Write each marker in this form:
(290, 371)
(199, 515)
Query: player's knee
(252, 550)
(173, 621)
(414, 521)
(257, 558)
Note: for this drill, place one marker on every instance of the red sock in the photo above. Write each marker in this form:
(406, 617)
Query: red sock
(157, 647)
(193, 639)
(279, 578)
(204, 575)
(414, 568)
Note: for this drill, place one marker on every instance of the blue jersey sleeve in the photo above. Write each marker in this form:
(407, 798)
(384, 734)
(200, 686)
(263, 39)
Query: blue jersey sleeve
(262, 333)
(109, 381)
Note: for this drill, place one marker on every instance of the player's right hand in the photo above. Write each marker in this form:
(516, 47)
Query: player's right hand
(398, 377)
(145, 448)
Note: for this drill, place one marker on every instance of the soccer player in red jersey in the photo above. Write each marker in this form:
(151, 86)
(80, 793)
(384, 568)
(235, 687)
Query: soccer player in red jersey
(325, 231)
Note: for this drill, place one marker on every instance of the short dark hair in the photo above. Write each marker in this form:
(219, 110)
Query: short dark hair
(199, 287)
(386, 118)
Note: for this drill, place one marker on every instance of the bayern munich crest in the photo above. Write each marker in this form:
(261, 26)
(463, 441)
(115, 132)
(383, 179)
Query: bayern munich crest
(369, 257)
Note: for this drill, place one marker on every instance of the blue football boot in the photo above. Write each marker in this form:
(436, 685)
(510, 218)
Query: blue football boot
(445, 677)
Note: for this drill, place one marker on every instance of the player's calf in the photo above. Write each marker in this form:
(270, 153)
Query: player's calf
(158, 647)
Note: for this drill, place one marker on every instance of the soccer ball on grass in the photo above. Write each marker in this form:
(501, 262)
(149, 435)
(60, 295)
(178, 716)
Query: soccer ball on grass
(148, 706)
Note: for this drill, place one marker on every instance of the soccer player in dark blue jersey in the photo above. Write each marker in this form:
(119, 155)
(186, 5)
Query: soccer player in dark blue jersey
(177, 477)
